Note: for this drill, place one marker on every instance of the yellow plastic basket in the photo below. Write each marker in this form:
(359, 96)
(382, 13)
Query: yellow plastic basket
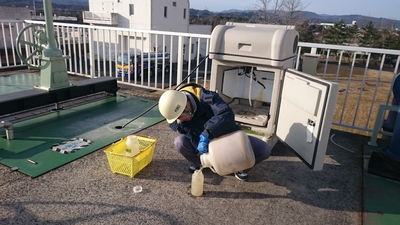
(130, 166)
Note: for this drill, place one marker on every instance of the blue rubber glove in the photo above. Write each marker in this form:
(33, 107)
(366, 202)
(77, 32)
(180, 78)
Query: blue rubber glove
(202, 147)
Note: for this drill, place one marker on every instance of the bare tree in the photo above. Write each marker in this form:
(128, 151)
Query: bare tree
(279, 11)
(268, 10)
(261, 9)
(291, 7)
(276, 9)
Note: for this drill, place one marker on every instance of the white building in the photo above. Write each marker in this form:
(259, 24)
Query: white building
(163, 15)
(10, 14)
(160, 15)
(14, 13)
(14, 16)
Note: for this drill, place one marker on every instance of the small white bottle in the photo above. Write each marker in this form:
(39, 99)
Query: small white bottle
(197, 183)
(132, 146)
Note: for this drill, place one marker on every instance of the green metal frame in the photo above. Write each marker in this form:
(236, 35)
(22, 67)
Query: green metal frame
(379, 121)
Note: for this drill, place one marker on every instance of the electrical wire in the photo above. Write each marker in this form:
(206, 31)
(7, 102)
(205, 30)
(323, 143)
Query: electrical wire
(340, 145)
(141, 114)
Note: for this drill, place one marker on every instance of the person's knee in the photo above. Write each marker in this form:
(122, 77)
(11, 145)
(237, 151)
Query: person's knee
(178, 143)
(261, 149)
(183, 145)
(264, 152)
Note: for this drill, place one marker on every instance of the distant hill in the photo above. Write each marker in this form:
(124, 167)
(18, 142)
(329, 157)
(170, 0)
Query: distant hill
(30, 2)
(69, 2)
(311, 17)
(57, 5)
(361, 20)
(83, 5)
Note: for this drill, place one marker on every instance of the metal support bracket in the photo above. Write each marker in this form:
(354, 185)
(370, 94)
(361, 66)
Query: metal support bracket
(379, 121)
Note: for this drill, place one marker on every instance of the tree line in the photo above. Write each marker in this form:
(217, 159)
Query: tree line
(288, 12)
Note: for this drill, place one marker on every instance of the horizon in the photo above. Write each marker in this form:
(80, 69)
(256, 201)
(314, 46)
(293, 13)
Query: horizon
(321, 14)
(313, 7)
(370, 8)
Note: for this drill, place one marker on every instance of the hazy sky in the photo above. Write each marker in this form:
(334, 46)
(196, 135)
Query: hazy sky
(389, 9)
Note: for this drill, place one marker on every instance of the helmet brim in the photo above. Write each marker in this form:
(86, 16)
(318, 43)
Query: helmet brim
(172, 120)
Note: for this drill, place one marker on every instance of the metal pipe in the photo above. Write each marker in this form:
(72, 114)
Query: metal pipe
(48, 12)
(9, 129)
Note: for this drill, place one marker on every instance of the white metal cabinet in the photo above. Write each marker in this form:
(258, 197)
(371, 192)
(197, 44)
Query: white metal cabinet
(272, 100)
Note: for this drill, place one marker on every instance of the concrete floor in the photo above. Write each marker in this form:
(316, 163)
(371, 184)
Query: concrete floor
(281, 190)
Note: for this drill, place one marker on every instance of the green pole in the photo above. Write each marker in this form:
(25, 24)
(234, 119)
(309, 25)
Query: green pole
(53, 73)
(48, 12)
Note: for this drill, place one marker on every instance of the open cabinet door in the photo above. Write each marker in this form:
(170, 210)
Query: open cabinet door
(305, 115)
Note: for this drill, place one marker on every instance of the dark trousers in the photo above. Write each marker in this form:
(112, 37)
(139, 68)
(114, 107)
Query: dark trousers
(183, 145)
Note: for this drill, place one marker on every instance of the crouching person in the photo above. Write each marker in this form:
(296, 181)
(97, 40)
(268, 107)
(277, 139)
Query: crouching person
(200, 115)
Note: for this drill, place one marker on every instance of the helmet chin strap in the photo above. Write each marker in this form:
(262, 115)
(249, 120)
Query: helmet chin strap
(190, 104)
(141, 114)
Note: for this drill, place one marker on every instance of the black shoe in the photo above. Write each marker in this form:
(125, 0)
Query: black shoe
(240, 175)
(192, 169)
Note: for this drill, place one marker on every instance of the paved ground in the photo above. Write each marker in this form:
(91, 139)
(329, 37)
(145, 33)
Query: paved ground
(281, 190)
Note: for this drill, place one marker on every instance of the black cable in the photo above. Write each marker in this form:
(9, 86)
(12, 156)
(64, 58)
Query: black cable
(246, 71)
(141, 114)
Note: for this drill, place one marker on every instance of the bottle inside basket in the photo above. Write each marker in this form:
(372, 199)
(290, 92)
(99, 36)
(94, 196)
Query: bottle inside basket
(197, 183)
(132, 145)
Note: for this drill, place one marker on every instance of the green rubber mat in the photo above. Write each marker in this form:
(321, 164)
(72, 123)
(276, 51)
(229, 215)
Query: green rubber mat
(381, 195)
(31, 150)
(18, 82)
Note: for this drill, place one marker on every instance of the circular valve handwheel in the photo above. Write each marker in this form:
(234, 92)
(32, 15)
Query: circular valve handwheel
(35, 32)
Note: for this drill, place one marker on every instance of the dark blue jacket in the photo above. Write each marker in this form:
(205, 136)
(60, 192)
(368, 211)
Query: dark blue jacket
(213, 117)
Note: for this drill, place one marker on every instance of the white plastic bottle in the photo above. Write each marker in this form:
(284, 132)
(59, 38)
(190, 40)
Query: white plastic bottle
(132, 146)
(229, 153)
(197, 183)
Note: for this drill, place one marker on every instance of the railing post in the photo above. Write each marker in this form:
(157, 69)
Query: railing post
(379, 120)
(313, 51)
(91, 53)
(180, 60)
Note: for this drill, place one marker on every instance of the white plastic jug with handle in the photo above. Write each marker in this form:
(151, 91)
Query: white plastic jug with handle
(132, 146)
(229, 153)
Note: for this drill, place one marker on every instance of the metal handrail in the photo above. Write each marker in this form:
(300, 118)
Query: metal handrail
(93, 49)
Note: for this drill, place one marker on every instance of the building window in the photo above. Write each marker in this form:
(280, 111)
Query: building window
(165, 11)
(119, 1)
(174, 4)
(131, 10)
(184, 13)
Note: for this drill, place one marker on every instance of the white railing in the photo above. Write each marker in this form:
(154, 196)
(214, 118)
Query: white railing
(364, 74)
(100, 18)
(8, 34)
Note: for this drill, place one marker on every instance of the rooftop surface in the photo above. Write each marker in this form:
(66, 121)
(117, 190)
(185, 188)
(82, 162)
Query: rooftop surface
(281, 190)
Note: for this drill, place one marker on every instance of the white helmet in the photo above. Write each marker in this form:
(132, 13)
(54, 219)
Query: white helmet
(171, 105)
